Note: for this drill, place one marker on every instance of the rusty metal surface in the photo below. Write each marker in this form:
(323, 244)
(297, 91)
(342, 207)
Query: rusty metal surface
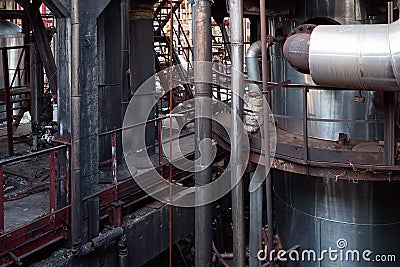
(33, 237)
(322, 162)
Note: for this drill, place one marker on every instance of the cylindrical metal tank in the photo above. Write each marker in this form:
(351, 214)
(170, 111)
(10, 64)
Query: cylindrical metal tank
(322, 104)
(321, 213)
(10, 35)
(318, 213)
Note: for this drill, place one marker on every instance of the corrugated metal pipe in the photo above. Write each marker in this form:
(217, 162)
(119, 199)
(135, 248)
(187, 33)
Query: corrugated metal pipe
(365, 57)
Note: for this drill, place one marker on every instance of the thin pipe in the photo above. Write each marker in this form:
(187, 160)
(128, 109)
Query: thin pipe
(237, 131)
(268, 184)
(256, 209)
(36, 85)
(171, 63)
(1, 198)
(203, 130)
(9, 112)
(76, 203)
(389, 112)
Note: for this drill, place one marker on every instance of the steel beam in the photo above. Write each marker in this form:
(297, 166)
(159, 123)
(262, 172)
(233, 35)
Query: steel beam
(43, 44)
(57, 8)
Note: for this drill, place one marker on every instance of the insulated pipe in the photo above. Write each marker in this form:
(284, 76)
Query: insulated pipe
(365, 57)
(253, 68)
(76, 203)
(203, 130)
(237, 131)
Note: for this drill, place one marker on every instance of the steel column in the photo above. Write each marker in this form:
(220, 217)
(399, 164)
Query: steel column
(142, 67)
(203, 128)
(44, 49)
(37, 86)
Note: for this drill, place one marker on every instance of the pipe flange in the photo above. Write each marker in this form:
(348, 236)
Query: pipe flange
(303, 28)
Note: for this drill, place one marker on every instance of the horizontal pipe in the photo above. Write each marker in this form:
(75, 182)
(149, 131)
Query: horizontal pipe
(365, 57)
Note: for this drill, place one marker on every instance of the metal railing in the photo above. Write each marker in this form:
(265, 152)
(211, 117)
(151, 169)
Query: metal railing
(13, 94)
(45, 229)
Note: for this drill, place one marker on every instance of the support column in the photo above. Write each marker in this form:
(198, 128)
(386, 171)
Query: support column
(203, 129)
(37, 90)
(142, 67)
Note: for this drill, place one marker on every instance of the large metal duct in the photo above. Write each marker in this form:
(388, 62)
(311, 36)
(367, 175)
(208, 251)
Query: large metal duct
(365, 57)
(323, 104)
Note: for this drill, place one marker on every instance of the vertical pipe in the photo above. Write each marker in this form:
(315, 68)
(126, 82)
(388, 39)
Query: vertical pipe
(114, 158)
(265, 75)
(237, 131)
(9, 112)
(36, 68)
(389, 111)
(202, 52)
(52, 181)
(256, 209)
(76, 204)
(125, 57)
(390, 12)
(160, 145)
(1, 199)
(305, 125)
(123, 260)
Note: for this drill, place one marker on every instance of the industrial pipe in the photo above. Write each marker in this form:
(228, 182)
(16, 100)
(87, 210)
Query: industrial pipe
(296, 51)
(76, 203)
(37, 87)
(365, 57)
(101, 241)
(265, 128)
(237, 131)
(203, 132)
(253, 68)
